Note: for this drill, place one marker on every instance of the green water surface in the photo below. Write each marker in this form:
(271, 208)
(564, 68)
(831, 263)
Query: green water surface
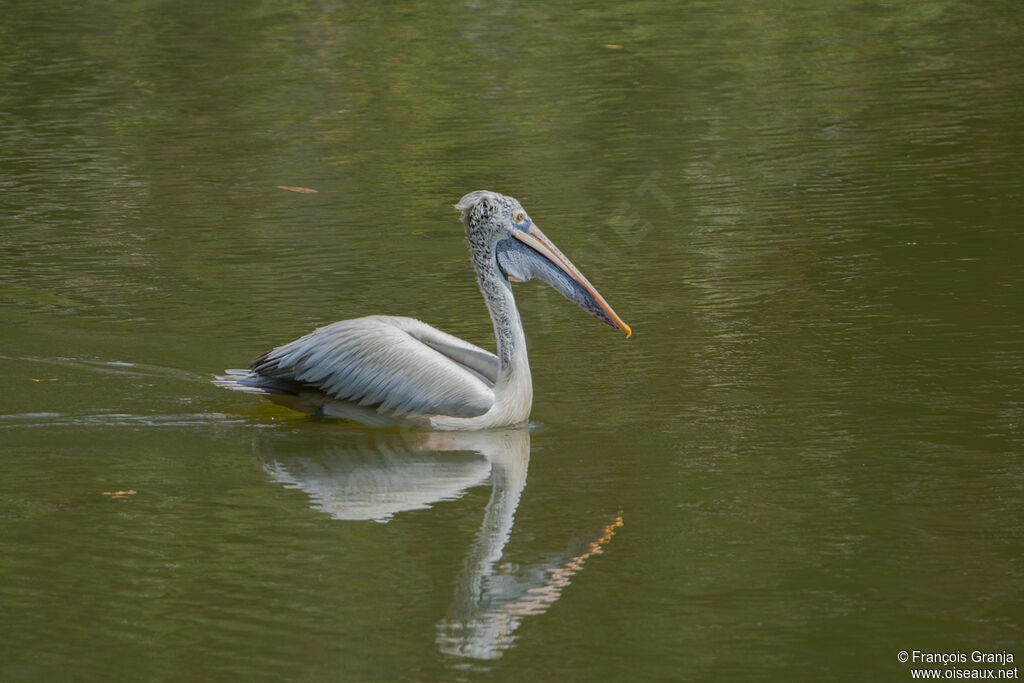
(807, 458)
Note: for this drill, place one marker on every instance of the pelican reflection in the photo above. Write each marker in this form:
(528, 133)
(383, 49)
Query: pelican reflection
(378, 476)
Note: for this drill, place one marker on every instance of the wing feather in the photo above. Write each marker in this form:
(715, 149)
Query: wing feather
(393, 363)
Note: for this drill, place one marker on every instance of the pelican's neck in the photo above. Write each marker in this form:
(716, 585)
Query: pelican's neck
(514, 365)
(513, 388)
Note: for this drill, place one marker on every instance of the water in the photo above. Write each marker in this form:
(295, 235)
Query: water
(806, 459)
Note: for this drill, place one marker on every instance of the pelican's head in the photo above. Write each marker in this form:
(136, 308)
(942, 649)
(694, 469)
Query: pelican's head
(502, 235)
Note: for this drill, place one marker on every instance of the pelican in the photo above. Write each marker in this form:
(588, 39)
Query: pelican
(387, 370)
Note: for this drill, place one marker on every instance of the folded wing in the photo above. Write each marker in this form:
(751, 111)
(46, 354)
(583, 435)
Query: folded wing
(393, 364)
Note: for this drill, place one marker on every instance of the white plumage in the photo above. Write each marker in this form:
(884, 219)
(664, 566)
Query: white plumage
(368, 360)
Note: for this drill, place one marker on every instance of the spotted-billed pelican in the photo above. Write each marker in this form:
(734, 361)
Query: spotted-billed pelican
(385, 370)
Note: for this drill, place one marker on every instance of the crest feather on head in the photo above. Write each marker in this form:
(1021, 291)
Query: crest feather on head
(478, 205)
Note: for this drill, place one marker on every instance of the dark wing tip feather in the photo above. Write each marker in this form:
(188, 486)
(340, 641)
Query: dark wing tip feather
(253, 383)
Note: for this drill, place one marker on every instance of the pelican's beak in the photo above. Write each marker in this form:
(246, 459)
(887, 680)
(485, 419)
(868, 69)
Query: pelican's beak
(568, 279)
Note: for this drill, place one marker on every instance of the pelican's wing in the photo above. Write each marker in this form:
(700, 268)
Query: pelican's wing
(462, 352)
(391, 363)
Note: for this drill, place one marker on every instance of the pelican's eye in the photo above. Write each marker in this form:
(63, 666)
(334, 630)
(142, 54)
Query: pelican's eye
(519, 217)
